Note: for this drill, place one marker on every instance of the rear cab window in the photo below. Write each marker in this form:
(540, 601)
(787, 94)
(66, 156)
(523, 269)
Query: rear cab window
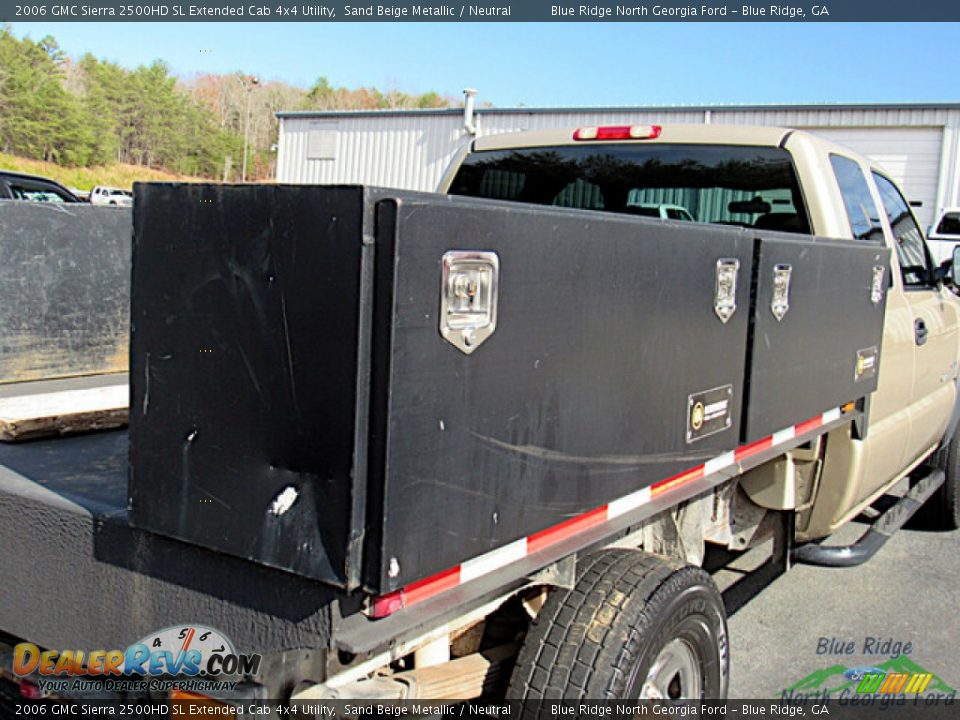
(727, 184)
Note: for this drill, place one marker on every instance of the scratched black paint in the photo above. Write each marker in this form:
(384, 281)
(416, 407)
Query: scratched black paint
(65, 285)
(244, 370)
(74, 574)
(605, 326)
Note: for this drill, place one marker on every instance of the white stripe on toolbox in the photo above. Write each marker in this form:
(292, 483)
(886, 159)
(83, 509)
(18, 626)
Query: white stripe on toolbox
(493, 560)
(831, 415)
(786, 434)
(718, 463)
(623, 505)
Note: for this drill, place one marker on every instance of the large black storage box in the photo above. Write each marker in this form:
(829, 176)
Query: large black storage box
(294, 402)
(246, 325)
(606, 328)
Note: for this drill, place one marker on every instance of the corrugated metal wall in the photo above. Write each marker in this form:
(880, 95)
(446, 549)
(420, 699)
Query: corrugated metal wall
(412, 149)
(399, 151)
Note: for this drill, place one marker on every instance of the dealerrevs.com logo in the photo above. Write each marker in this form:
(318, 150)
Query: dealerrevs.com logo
(180, 651)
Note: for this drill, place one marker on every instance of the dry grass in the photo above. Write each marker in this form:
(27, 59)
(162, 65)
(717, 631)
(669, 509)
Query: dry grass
(117, 175)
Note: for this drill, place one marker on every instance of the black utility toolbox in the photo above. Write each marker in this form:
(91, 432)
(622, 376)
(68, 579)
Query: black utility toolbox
(304, 393)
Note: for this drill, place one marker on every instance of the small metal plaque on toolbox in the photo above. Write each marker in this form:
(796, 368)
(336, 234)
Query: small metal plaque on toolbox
(709, 412)
(866, 364)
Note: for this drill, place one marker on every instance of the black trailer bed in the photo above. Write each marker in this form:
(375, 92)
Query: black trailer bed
(75, 574)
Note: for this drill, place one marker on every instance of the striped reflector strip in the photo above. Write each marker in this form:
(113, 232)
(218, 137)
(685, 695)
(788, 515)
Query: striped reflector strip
(566, 529)
(519, 549)
(676, 481)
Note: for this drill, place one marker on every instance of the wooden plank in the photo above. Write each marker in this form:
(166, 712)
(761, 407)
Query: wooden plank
(59, 413)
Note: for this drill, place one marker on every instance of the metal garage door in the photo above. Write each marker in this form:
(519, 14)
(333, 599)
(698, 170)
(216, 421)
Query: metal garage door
(910, 155)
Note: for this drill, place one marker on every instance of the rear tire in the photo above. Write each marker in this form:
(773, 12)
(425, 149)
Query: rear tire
(942, 510)
(635, 626)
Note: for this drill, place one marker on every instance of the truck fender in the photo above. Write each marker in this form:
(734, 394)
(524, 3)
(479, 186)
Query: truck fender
(954, 420)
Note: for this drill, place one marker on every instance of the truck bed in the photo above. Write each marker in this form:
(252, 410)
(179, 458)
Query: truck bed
(75, 574)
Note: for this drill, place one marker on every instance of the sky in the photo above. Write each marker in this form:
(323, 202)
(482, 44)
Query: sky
(556, 64)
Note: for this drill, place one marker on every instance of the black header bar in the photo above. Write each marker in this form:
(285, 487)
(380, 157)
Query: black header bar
(480, 11)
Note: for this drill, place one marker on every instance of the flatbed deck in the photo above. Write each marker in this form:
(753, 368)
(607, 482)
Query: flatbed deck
(77, 575)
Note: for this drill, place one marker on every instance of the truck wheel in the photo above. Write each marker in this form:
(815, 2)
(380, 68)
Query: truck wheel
(942, 510)
(635, 626)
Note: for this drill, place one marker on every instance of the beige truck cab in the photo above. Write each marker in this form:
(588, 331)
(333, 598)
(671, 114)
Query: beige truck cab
(909, 414)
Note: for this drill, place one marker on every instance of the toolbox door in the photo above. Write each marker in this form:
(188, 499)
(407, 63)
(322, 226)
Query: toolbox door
(817, 328)
(248, 331)
(608, 338)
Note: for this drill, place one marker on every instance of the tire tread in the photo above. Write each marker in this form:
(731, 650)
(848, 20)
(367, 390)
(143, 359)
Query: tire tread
(575, 645)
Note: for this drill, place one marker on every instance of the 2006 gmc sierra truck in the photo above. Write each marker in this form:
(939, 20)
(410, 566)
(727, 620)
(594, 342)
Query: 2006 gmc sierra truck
(411, 445)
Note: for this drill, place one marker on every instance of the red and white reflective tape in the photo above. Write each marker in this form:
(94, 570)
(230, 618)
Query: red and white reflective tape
(505, 555)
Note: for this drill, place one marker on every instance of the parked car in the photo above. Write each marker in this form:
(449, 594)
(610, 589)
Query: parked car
(20, 186)
(663, 211)
(944, 234)
(102, 195)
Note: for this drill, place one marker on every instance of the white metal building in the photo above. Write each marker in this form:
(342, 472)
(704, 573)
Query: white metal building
(917, 143)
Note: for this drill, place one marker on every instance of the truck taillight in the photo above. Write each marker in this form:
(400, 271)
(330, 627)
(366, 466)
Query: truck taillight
(618, 132)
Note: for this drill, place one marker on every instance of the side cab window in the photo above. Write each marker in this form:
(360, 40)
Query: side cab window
(915, 263)
(862, 212)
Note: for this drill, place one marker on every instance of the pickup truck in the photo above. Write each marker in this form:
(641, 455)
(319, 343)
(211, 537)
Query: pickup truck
(102, 195)
(944, 234)
(479, 443)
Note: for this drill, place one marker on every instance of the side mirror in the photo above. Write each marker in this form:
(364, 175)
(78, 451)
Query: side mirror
(955, 261)
(941, 273)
